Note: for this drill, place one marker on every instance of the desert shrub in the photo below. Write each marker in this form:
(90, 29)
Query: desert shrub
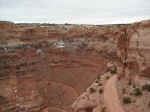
(126, 100)
(134, 86)
(101, 91)
(114, 70)
(146, 87)
(96, 81)
(137, 92)
(92, 90)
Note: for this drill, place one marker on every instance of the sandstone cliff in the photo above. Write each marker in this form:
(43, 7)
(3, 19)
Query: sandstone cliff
(42, 63)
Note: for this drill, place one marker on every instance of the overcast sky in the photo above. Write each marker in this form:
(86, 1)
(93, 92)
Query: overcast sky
(75, 11)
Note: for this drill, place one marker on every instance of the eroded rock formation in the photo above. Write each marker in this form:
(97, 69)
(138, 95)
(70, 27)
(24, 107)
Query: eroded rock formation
(37, 59)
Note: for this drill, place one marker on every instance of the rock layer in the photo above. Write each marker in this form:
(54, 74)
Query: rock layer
(32, 56)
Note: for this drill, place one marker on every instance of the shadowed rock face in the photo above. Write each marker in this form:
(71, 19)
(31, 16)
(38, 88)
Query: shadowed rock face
(46, 67)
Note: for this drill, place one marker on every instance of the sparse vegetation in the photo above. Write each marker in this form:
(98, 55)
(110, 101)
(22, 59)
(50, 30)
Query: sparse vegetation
(126, 100)
(134, 86)
(92, 90)
(146, 87)
(113, 70)
(137, 92)
(96, 81)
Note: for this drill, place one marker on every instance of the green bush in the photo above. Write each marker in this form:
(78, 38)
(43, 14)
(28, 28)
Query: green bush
(146, 87)
(137, 92)
(126, 100)
(114, 70)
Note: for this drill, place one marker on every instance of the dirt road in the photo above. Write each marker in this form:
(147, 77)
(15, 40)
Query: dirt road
(111, 97)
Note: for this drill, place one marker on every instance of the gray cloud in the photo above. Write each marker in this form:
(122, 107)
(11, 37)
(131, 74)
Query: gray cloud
(74, 11)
